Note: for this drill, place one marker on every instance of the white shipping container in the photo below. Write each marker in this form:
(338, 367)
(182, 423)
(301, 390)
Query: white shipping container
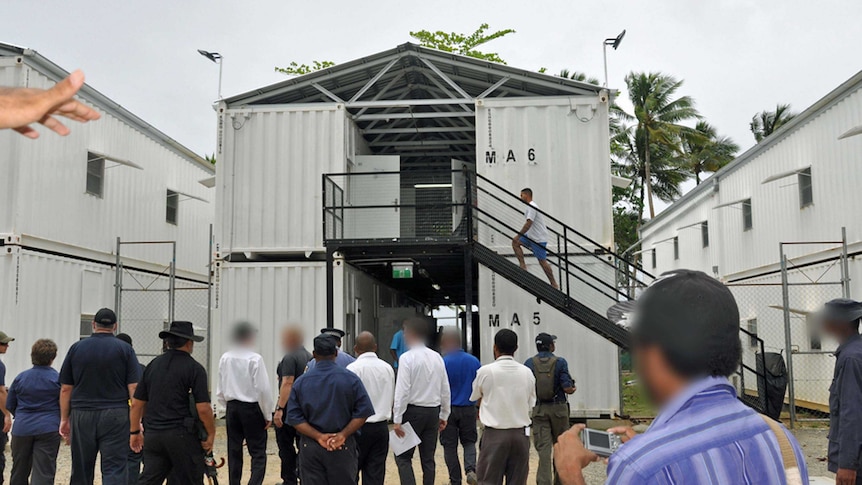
(593, 361)
(556, 146)
(44, 197)
(269, 180)
(273, 295)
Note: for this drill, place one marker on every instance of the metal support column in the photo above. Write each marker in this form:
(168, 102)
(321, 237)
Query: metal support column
(788, 340)
(330, 288)
(172, 286)
(468, 257)
(845, 269)
(118, 280)
(210, 305)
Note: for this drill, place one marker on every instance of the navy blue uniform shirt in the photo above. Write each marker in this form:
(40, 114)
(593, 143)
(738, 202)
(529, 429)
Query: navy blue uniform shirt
(101, 367)
(562, 378)
(461, 368)
(328, 397)
(34, 400)
(845, 407)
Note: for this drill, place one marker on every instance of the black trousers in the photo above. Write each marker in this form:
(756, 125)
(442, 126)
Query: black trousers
(320, 466)
(461, 428)
(4, 438)
(245, 422)
(426, 423)
(34, 459)
(287, 441)
(177, 453)
(103, 433)
(373, 443)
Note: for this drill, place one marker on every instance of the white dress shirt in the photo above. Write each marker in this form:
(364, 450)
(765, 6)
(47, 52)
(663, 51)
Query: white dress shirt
(422, 381)
(508, 393)
(379, 380)
(242, 377)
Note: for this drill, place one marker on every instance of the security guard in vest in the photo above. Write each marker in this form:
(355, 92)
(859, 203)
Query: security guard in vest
(840, 319)
(551, 414)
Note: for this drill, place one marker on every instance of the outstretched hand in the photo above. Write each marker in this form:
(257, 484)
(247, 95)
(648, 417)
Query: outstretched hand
(20, 107)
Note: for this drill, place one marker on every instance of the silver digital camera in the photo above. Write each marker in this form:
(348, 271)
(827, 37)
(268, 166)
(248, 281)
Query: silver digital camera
(601, 443)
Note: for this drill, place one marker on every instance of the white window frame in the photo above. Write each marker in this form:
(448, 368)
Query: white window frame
(172, 194)
(747, 215)
(806, 189)
(95, 160)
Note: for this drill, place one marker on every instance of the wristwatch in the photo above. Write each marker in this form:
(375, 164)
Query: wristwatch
(137, 431)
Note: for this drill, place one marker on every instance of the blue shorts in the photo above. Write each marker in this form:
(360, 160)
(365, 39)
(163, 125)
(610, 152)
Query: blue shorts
(539, 250)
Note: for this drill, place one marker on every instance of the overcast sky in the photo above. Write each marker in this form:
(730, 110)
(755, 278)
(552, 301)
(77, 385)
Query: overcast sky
(737, 57)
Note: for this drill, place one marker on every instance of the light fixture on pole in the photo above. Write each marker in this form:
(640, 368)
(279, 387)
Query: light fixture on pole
(218, 59)
(613, 42)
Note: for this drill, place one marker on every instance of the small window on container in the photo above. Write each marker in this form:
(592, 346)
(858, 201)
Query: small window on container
(806, 195)
(676, 248)
(653, 258)
(704, 234)
(86, 325)
(95, 175)
(747, 222)
(751, 326)
(172, 202)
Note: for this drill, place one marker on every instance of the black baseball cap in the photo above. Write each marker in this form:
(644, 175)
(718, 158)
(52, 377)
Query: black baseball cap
(842, 310)
(325, 345)
(544, 340)
(105, 317)
(694, 319)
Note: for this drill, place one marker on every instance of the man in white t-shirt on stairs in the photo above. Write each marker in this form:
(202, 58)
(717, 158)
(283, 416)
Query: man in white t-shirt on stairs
(534, 236)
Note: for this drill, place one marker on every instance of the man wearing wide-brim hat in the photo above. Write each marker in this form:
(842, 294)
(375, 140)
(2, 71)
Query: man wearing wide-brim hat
(342, 359)
(174, 444)
(840, 319)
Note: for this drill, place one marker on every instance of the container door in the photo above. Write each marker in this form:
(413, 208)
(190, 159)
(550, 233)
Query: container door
(375, 198)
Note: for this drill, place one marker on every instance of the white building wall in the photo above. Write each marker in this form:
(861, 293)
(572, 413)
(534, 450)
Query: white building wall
(567, 141)
(269, 181)
(45, 199)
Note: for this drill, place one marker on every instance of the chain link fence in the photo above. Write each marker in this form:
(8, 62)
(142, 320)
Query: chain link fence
(769, 306)
(148, 301)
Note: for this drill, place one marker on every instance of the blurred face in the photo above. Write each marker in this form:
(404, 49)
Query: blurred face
(837, 331)
(652, 369)
(4, 348)
(285, 340)
(525, 197)
(449, 343)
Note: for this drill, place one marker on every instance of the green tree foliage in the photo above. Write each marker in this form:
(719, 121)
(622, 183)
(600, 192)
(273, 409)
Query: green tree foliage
(295, 69)
(578, 76)
(703, 150)
(765, 123)
(655, 139)
(464, 44)
(210, 158)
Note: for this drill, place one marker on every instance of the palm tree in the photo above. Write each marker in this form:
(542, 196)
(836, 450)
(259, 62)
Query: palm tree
(578, 76)
(666, 173)
(705, 151)
(765, 123)
(658, 114)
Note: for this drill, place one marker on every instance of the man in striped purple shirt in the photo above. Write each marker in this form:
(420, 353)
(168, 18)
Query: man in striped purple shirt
(686, 344)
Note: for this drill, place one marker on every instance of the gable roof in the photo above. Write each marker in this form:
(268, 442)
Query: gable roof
(474, 76)
(91, 95)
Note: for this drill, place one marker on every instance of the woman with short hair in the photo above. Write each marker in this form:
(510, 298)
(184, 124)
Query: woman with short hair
(34, 400)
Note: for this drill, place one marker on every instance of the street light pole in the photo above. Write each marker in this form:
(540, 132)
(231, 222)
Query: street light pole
(615, 43)
(218, 59)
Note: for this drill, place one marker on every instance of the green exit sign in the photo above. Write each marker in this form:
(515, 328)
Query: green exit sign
(402, 271)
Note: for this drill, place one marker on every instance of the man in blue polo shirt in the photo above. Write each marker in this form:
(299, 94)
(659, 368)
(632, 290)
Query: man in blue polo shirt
(97, 380)
(327, 405)
(461, 368)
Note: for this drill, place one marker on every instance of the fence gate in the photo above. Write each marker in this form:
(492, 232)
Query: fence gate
(776, 317)
(147, 300)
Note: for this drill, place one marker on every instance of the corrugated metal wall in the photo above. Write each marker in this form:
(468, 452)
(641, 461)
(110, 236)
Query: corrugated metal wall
(593, 361)
(45, 296)
(270, 296)
(50, 202)
(269, 179)
(776, 213)
(569, 170)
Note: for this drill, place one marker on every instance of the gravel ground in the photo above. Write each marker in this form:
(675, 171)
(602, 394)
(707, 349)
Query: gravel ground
(813, 442)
